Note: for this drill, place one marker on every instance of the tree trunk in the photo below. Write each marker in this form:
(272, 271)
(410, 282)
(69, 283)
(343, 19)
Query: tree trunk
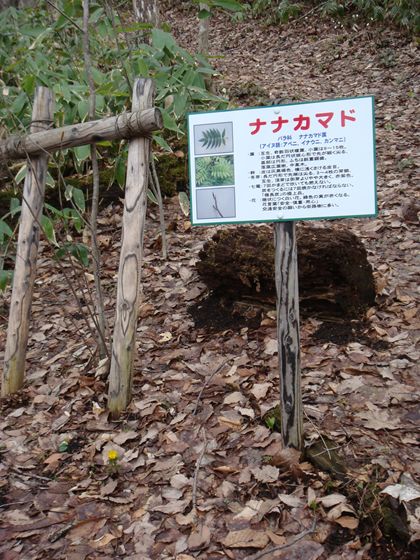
(203, 31)
(17, 4)
(146, 11)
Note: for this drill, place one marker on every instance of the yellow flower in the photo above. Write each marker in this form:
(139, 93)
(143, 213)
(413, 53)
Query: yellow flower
(112, 455)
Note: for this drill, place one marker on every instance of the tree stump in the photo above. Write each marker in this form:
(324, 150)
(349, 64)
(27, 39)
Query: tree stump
(335, 277)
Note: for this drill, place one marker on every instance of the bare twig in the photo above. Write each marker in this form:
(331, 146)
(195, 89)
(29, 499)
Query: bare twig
(102, 324)
(16, 503)
(298, 537)
(64, 15)
(17, 471)
(196, 472)
(321, 437)
(154, 182)
(207, 383)
(305, 15)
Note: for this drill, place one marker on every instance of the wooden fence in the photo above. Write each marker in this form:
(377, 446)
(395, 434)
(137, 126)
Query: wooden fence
(36, 146)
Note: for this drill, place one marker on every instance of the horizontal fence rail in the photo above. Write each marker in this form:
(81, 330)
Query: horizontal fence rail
(126, 125)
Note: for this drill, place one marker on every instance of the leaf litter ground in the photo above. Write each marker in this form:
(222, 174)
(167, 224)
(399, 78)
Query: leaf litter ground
(198, 474)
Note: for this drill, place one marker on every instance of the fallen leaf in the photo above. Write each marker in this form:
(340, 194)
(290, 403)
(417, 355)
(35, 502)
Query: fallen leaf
(403, 492)
(109, 487)
(246, 538)
(259, 390)
(348, 521)
(267, 473)
(332, 500)
(378, 419)
(103, 541)
(122, 437)
(234, 398)
(180, 481)
(291, 500)
(165, 337)
(271, 346)
(199, 538)
(177, 506)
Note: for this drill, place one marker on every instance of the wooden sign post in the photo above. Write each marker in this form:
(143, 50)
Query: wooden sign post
(286, 277)
(300, 161)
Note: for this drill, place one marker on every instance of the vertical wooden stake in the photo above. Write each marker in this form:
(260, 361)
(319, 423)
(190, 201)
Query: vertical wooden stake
(128, 290)
(286, 271)
(27, 251)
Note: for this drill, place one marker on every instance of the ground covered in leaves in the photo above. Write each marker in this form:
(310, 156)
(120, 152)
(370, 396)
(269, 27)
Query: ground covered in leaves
(192, 470)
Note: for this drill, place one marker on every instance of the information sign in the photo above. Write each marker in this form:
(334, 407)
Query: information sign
(290, 162)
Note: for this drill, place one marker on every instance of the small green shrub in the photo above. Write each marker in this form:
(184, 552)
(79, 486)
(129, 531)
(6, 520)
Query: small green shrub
(405, 13)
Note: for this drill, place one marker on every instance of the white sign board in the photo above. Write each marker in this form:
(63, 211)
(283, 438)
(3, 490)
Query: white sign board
(290, 162)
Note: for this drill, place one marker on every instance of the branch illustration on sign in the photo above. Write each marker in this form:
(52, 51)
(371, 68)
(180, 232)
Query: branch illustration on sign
(213, 171)
(213, 138)
(215, 206)
(216, 203)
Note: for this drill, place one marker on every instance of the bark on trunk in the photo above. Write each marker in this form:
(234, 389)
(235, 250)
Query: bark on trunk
(17, 4)
(146, 11)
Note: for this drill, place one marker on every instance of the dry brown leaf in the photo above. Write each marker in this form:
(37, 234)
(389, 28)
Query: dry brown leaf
(379, 420)
(180, 481)
(348, 521)
(271, 346)
(109, 487)
(276, 539)
(267, 473)
(122, 437)
(332, 500)
(177, 506)
(260, 390)
(103, 541)
(199, 538)
(234, 398)
(232, 422)
(246, 538)
(291, 500)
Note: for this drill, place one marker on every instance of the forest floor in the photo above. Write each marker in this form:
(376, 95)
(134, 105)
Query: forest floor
(199, 474)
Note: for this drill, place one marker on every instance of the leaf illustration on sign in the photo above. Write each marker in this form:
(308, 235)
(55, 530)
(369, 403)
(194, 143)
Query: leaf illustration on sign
(214, 170)
(213, 138)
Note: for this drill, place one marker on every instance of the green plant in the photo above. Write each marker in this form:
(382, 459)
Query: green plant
(44, 47)
(405, 13)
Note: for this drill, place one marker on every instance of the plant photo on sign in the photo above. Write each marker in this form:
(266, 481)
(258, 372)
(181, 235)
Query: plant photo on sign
(215, 138)
(216, 203)
(214, 171)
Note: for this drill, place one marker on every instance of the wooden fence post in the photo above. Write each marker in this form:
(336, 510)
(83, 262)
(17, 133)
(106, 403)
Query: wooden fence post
(129, 274)
(286, 274)
(27, 251)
